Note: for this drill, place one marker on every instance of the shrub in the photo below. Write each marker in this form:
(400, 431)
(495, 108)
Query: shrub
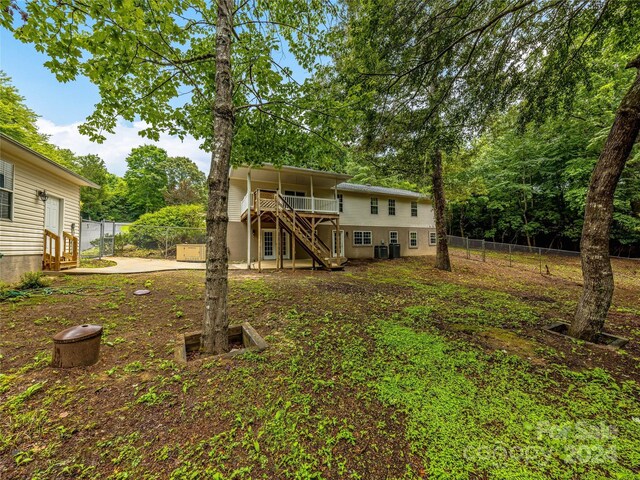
(169, 225)
(30, 280)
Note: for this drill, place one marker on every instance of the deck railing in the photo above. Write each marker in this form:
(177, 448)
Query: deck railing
(266, 200)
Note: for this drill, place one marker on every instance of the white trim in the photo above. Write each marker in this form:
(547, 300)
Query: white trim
(433, 238)
(333, 243)
(389, 207)
(371, 205)
(416, 234)
(353, 238)
(11, 191)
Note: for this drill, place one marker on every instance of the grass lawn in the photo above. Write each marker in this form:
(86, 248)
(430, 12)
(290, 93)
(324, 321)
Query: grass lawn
(387, 370)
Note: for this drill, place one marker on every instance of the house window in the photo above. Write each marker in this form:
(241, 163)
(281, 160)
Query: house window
(292, 193)
(433, 238)
(340, 203)
(414, 209)
(362, 239)
(413, 239)
(392, 206)
(6, 189)
(374, 206)
(393, 237)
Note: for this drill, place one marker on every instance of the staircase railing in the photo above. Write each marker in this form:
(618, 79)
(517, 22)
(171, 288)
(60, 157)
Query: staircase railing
(59, 252)
(70, 247)
(304, 231)
(51, 255)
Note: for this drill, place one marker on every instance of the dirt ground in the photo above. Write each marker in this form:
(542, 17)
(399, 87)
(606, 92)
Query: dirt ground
(321, 401)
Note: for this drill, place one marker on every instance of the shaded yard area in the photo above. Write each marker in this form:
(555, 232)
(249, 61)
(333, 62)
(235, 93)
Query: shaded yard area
(386, 370)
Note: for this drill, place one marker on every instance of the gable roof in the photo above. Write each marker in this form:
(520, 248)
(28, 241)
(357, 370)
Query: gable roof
(13, 147)
(389, 192)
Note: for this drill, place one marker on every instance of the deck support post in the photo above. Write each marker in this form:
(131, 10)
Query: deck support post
(293, 246)
(259, 213)
(338, 240)
(313, 241)
(278, 234)
(249, 204)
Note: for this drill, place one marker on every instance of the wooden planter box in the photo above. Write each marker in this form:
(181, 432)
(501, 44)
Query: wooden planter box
(606, 340)
(245, 333)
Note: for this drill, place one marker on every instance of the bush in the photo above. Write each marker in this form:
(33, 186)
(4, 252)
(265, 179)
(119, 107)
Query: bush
(169, 226)
(31, 280)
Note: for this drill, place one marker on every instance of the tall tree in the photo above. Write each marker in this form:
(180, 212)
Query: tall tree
(596, 265)
(146, 178)
(184, 67)
(445, 64)
(186, 184)
(18, 121)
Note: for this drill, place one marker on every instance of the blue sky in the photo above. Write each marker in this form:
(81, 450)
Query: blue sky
(61, 103)
(63, 106)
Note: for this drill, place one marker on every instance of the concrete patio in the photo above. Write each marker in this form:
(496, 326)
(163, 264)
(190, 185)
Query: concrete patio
(145, 265)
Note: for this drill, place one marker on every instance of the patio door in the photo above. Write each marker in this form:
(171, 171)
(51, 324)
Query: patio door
(269, 245)
(52, 214)
(333, 243)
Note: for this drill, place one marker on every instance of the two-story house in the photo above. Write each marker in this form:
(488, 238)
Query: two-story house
(294, 213)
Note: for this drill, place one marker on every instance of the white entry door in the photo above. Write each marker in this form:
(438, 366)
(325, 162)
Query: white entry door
(52, 213)
(333, 243)
(269, 245)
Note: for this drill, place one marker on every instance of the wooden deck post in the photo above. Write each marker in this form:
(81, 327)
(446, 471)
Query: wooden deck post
(338, 239)
(259, 213)
(278, 248)
(313, 242)
(249, 219)
(293, 246)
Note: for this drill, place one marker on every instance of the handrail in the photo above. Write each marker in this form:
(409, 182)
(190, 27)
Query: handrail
(51, 255)
(309, 229)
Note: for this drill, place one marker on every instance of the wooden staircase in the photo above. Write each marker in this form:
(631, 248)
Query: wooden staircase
(59, 253)
(300, 229)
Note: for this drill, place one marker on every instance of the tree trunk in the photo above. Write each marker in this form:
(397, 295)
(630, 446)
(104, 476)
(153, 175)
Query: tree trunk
(442, 248)
(596, 265)
(216, 323)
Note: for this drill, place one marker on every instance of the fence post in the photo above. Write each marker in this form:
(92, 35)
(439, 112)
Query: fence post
(484, 254)
(468, 254)
(166, 243)
(101, 243)
(510, 255)
(540, 258)
(113, 239)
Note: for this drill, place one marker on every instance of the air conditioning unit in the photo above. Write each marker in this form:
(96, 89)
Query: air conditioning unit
(191, 252)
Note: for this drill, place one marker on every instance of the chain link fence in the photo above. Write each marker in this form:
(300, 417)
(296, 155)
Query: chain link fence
(104, 239)
(536, 259)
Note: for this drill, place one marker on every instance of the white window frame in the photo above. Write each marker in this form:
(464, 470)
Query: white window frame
(396, 235)
(373, 204)
(414, 208)
(10, 191)
(340, 203)
(362, 234)
(433, 238)
(411, 245)
(391, 206)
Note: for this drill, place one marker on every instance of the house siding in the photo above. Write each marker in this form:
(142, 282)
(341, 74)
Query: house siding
(23, 234)
(357, 211)
(356, 216)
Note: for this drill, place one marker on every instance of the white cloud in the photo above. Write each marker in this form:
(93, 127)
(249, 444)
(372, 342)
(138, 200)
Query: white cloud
(117, 146)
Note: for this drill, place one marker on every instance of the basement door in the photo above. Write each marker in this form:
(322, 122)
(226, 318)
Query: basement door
(269, 245)
(333, 243)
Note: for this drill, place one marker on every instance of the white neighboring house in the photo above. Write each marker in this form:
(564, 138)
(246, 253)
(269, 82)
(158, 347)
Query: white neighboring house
(294, 213)
(39, 212)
